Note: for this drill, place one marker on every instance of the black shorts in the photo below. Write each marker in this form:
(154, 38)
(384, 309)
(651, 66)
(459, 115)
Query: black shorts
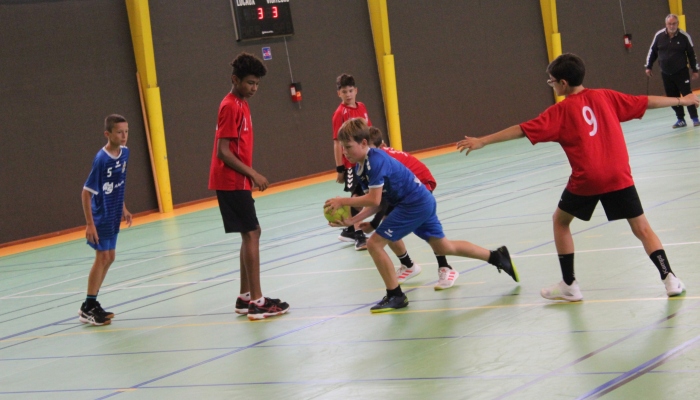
(237, 210)
(352, 182)
(620, 204)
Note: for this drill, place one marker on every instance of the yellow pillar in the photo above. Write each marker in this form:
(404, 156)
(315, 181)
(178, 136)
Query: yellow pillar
(676, 7)
(141, 36)
(379, 20)
(551, 32)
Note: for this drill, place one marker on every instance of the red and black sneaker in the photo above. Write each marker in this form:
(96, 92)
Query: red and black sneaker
(242, 306)
(271, 308)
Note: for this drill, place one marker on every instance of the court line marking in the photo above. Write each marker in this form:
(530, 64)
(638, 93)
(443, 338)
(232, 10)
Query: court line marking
(597, 351)
(640, 370)
(105, 330)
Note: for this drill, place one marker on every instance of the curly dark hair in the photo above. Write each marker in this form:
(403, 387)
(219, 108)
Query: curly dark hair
(112, 120)
(344, 80)
(247, 64)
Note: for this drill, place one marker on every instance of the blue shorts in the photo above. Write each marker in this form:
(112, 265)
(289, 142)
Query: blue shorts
(105, 243)
(419, 218)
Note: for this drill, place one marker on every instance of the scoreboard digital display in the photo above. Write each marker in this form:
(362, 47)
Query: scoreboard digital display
(259, 19)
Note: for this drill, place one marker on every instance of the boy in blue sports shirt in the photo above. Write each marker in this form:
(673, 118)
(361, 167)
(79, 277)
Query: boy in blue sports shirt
(414, 212)
(103, 206)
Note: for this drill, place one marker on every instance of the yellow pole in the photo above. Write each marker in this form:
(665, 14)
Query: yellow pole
(676, 7)
(141, 36)
(379, 20)
(551, 32)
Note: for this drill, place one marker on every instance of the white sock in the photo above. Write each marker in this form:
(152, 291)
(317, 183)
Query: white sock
(244, 296)
(260, 301)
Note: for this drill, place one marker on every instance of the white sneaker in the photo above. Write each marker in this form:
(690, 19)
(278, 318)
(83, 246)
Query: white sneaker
(446, 278)
(562, 291)
(674, 286)
(404, 273)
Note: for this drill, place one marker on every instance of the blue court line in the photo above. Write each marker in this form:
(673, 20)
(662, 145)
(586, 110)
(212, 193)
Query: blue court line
(331, 382)
(558, 370)
(182, 286)
(289, 332)
(328, 343)
(640, 370)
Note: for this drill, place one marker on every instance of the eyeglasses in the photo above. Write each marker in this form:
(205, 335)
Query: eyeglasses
(552, 81)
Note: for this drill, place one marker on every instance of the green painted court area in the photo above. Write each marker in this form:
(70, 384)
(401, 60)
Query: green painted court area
(174, 285)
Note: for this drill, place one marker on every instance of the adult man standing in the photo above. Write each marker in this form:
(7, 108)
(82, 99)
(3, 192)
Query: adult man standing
(674, 49)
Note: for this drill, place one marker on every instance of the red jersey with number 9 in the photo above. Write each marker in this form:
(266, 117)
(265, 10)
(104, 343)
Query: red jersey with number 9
(587, 126)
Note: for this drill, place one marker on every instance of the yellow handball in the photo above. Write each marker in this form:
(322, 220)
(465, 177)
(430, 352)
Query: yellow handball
(341, 213)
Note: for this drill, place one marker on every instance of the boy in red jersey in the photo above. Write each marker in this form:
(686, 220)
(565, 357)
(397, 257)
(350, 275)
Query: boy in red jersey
(349, 108)
(446, 275)
(587, 126)
(232, 176)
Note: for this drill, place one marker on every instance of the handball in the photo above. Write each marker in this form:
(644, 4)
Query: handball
(341, 213)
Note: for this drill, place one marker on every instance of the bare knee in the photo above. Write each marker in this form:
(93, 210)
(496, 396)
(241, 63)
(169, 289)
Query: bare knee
(251, 235)
(375, 243)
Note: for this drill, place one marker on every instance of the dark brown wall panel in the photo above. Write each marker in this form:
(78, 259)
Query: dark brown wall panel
(65, 66)
(593, 29)
(467, 67)
(194, 43)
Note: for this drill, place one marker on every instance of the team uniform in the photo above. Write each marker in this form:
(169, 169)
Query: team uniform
(106, 182)
(587, 126)
(414, 165)
(233, 189)
(414, 207)
(342, 114)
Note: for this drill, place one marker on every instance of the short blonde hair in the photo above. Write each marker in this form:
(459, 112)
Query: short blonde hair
(355, 129)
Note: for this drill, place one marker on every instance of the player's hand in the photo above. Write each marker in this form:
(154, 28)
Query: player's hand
(128, 218)
(340, 224)
(469, 144)
(649, 73)
(340, 178)
(690, 99)
(331, 205)
(366, 227)
(694, 76)
(91, 234)
(260, 181)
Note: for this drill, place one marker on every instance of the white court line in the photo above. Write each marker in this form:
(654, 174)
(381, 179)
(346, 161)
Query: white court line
(235, 254)
(460, 261)
(114, 289)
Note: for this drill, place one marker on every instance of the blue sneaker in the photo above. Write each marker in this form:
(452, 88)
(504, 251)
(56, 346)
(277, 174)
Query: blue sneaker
(696, 122)
(679, 124)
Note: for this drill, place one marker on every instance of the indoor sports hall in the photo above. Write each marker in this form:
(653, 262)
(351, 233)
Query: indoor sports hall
(174, 284)
(429, 73)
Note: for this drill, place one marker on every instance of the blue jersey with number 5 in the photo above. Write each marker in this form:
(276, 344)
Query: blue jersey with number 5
(106, 182)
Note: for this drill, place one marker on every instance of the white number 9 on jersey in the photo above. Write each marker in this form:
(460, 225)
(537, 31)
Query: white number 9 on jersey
(590, 120)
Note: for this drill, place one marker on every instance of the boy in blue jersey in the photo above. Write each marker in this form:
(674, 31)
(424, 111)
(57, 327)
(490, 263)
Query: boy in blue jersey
(103, 206)
(414, 212)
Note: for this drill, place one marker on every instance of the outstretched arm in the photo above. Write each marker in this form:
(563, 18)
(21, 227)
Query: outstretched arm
(472, 143)
(660, 101)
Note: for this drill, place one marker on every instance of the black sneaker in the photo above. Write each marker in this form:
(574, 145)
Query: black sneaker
(347, 236)
(93, 317)
(360, 241)
(106, 314)
(506, 264)
(390, 303)
(242, 306)
(271, 308)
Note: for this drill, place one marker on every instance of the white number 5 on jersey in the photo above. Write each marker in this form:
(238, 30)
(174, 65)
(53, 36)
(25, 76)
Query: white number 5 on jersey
(590, 120)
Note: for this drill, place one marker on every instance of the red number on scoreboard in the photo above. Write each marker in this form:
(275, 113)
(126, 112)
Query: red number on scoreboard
(260, 13)
(274, 12)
